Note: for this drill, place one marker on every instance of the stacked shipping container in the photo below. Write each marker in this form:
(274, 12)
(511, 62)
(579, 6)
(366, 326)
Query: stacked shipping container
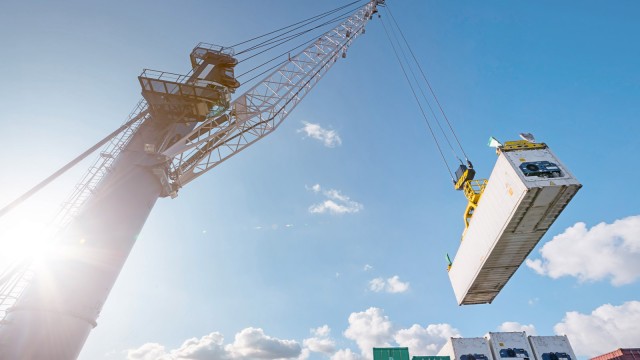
(620, 354)
(511, 346)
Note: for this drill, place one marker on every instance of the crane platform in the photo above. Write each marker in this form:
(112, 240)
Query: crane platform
(528, 189)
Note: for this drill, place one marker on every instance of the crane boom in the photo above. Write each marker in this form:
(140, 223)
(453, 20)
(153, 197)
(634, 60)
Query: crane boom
(185, 127)
(260, 110)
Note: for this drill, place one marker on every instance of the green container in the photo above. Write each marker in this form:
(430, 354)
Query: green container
(430, 358)
(400, 353)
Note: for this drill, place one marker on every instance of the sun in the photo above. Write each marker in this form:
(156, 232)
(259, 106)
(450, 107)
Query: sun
(26, 233)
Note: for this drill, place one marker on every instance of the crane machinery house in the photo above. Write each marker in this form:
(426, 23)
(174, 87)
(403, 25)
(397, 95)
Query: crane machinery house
(507, 216)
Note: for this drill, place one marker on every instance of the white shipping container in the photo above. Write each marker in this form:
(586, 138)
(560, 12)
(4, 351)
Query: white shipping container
(510, 346)
(527, 190)
(466, 349)
(552, 348)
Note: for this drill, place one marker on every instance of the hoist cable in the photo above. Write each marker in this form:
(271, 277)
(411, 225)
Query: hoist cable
(303, 22)
(276, 57)
(424, 115)
(306, 43)
(299, 22)
(283, 40)
(291, 37)
(429, 84)
(424, 96)
(266, 71)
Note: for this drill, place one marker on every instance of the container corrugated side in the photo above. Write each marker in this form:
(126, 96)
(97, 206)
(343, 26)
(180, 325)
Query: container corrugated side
(620, 354)
(510, 346)
(430, 357)
(466, 349)
(395, 353)
(513, 214)
(552, 348)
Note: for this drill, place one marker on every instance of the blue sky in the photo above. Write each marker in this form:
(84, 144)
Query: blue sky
(240, 254)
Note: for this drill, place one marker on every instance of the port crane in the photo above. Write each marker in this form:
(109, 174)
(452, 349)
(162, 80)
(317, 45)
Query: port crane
(188, 124)
(185, 126)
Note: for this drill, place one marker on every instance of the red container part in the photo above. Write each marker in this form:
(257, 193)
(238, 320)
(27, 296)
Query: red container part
(620, 354)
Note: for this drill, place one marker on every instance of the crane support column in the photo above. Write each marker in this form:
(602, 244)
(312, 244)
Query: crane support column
(54, 316)
(56, 313)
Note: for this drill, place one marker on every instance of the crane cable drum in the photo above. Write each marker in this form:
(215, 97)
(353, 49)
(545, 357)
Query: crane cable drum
(438, 124)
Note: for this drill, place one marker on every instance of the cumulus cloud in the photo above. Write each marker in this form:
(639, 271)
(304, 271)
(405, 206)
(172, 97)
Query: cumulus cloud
(250, 343)
(368, 329)
(425, 340)
(329, 138)
(367, 267)
(606, 251)
(371, 328)
(320, 341)
(335, 202)
(511, 326)
(148, 351)
(346, 354)
(607, 328)
(391, 285)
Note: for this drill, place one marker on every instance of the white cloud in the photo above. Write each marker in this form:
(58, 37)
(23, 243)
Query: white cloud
(370, 328)
(368, 267)
(329, 138)
(607, 328)
(425, 341)
(322, 331)
(345, 354)
(250, 343)
(391, 285)
(320, 342)
(394, 285)
(604, 251)
(336, 203)
(377, 284)
(148, 351)
(512, 326)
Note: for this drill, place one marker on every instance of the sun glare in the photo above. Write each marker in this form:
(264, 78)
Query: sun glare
(25, 234)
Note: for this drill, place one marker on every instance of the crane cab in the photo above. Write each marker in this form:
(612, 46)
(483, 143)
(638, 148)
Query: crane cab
(215, 64)
(205, 92)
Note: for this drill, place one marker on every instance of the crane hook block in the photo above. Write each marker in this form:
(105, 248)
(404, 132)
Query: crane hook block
(463, 174)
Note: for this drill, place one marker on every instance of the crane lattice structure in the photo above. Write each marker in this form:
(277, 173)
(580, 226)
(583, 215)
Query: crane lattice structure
(260, 110)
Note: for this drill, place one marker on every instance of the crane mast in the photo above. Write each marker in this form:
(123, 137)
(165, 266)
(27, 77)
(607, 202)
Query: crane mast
(185, 126)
